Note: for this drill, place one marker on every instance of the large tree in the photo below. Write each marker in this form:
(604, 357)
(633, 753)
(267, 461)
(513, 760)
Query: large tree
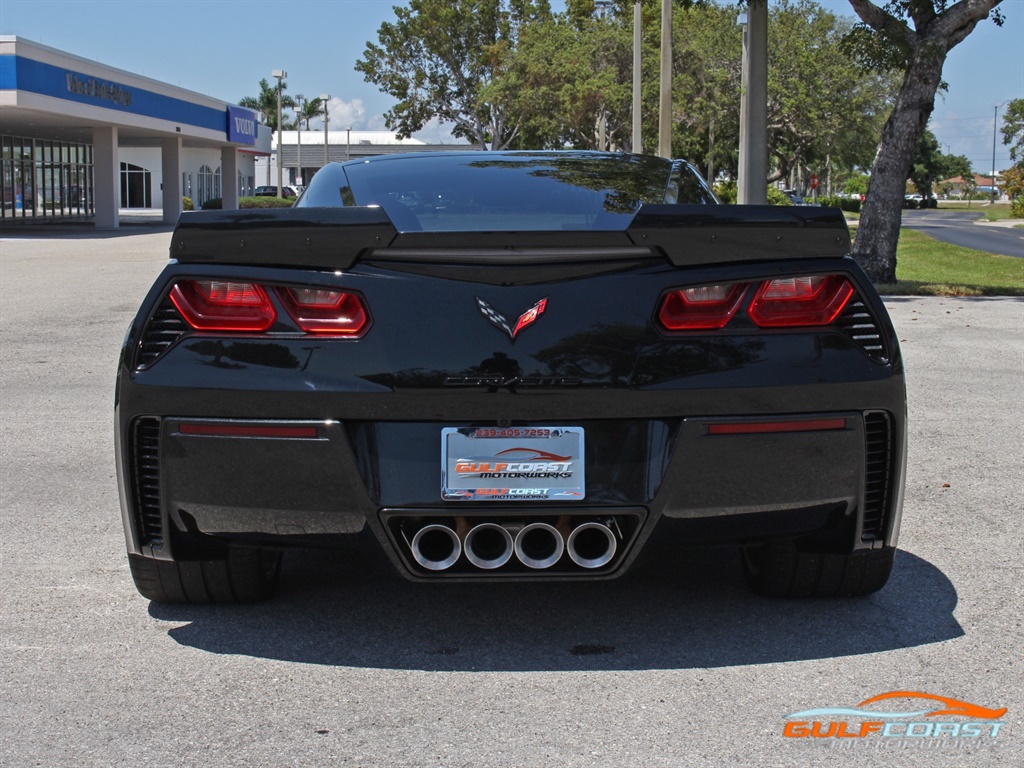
(1013, 129)
(912, 36)
(567, 75)
(437, 58)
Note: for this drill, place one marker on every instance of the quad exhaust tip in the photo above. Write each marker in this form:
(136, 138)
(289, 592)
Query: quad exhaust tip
(489, 545)
(436, 547)
(592, 545)
(539, 545)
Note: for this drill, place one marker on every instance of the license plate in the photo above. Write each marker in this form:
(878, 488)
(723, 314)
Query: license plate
(512, 464)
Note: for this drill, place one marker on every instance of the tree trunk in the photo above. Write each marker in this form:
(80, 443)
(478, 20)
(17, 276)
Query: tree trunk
(879, 230)
(938, 28)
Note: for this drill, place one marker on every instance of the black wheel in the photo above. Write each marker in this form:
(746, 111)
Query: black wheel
(245, 575)
(782, 570)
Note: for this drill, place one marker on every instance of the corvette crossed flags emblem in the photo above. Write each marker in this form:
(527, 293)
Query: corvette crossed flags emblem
(529, 317)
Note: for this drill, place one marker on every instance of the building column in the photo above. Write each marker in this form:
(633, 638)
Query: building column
(106, 177)
(229, 178)
(170, 164)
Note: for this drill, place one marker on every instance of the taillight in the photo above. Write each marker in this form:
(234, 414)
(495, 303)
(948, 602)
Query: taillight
(223, 305)
(701, 307)
(800, 301)
(325, 311)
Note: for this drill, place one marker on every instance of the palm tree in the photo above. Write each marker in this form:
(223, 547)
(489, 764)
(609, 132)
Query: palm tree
(309, 109)
(266, 105)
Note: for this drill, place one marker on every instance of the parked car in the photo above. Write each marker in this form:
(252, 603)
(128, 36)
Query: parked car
(286, 192)
(574, 356)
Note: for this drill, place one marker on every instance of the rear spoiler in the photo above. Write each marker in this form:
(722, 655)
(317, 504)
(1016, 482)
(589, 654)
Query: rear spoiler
(712, 234)
(335, 238)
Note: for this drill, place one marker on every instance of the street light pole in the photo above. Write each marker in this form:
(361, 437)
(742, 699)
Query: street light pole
(280, 74)
(325, 97)
(995, 115)
(299, 98)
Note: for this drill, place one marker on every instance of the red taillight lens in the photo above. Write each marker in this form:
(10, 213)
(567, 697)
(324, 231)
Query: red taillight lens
(324, 311)
(701, 307)
(222, 305)
(800, 301)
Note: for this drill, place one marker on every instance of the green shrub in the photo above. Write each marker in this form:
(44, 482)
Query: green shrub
(830, 201)
(215, 204)
(850, 204)
(726, 192)
(186, 204)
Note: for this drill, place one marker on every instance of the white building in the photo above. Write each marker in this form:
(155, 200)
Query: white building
(80, 140)
(302, 153)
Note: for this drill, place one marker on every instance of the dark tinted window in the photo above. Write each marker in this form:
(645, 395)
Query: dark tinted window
(487, 191)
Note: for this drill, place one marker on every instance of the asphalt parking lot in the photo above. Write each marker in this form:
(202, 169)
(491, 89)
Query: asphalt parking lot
(674, 665)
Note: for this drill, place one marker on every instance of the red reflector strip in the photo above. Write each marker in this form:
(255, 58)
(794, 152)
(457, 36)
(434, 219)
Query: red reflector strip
(240, 430)
(763, 427)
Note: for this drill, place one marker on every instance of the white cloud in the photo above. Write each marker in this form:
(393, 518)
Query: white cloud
(435, 132)
(346, 114)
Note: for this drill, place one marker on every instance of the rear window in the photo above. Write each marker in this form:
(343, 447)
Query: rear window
(491, 191)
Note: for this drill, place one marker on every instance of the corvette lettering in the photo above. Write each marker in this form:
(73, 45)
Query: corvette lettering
(511, 381)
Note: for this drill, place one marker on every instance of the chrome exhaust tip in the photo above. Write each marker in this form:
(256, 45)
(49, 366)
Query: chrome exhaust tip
(436, 547)
(539, 545)
(592, 545)
(488, 545)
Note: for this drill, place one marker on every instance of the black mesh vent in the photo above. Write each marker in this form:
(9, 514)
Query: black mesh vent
(146, 455)
(164, 328)
(859, 326)
(878, 475)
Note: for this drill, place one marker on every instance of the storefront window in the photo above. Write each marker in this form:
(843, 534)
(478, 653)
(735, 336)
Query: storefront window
(45, 179)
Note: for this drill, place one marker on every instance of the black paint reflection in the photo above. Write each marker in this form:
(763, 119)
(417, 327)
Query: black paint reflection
(240, 354)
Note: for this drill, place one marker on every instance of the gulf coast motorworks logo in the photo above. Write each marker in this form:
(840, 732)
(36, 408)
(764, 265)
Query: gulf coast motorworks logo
(931, 717)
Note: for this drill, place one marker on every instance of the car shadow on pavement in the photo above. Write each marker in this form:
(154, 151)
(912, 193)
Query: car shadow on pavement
(689, 610)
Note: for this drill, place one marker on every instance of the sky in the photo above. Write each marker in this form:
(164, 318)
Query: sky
(223, 47)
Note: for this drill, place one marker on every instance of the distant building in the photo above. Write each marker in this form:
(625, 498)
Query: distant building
(957, 186)
(341, 146)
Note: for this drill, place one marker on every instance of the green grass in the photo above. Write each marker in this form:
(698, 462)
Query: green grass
(926, 267)
(991, 212)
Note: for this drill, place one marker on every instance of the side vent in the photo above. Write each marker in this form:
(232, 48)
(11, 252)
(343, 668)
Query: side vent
(878, 476)
(146, 478)
(859, 326)
(164, 328)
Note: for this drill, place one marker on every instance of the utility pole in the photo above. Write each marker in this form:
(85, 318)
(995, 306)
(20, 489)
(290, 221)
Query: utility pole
(665, 100)
(637, 143)
(753, 161)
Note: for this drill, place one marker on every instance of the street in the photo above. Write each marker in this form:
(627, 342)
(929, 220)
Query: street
(676, 664)
(960, 227)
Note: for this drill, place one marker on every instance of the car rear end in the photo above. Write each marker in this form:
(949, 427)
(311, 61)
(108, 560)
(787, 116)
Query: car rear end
(519, 404)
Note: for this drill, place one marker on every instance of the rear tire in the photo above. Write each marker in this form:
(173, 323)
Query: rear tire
(782, 570)
(245, 575)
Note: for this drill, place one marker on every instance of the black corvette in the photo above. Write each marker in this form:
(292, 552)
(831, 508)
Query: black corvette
(510, 366)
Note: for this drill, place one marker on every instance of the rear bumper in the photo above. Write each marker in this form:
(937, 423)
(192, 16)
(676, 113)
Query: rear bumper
(840, 477)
